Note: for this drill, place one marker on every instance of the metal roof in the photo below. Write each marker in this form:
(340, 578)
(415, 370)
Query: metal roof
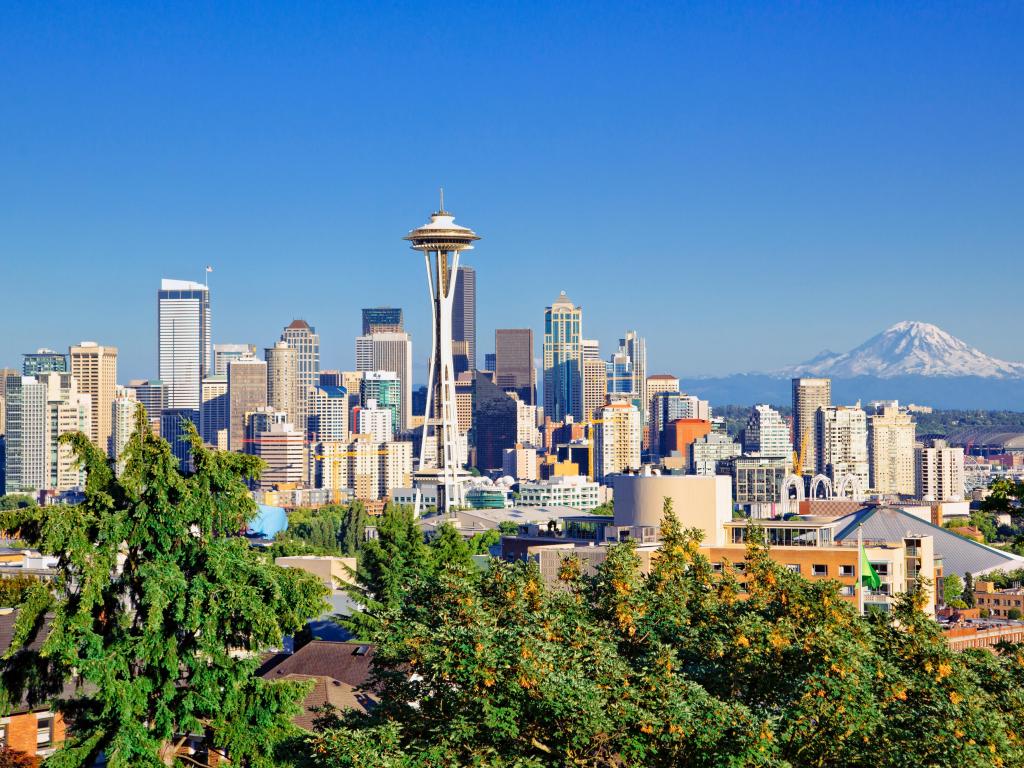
(959, 555)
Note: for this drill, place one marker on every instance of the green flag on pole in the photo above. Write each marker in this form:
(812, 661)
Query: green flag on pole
(868, 575)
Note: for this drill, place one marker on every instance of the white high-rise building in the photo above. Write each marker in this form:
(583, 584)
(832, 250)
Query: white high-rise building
(370, 469)
(767, 433)
(940, 472)
(526, 424)
(842, 439)
(809, 395)
(122, 424)
(375, 422)
(328, 412)
(284, 389)
(617, 437)
(303, 338)
(891, 451)
(594, 378)
(389, 351)
(185, 356)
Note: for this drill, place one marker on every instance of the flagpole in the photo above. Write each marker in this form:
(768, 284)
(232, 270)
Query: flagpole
(858, 570)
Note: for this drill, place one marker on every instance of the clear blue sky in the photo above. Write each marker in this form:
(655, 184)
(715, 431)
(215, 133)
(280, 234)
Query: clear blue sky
(745, 184)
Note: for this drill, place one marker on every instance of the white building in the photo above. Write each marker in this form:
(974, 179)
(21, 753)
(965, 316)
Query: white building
(520, 462)
(526, 424)
(617, 438)
(122, 424)
(891, 451)
(389, 351)
(940, 472)
(283, 448)
(183, 316)
(327, 413)
(842, 442)
(375, 422)
(767, 433)
(223, 354)
(573, 491)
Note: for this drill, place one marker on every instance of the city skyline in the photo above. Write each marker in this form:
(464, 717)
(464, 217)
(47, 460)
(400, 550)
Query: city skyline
(762, 180)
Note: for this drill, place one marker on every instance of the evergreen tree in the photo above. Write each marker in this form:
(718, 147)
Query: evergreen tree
(159, 610)
(448, 548)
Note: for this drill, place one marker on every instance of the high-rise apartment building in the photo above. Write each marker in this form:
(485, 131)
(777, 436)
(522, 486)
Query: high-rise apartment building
(247, 392)
(5, 374)
(327, 417)
(382, 320)
(389, 351)
(464, 318)
(655, 384)
(284, 390)
(809, 395)
(282, 446)
(563, 360)
(767, 433)
(710, 450)
(43, 361)
(891, 451)
(122, 424)
(303, 338)
(215, 412)
(940, 471)
(223, 354)
(95, 369)
(619, 376)
(376, 422)
(184, 347)
(842, 439)
(370, 469)
(385, 388)
(594, 378)
(514, 369)
(617, 437)
(40, 409)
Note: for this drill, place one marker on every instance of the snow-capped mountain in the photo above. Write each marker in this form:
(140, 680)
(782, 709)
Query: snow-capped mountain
(909, 348)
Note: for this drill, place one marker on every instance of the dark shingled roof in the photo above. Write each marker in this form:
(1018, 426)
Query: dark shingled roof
(347, 662)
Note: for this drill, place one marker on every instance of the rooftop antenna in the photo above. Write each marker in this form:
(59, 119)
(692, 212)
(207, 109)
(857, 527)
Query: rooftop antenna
(442, 198)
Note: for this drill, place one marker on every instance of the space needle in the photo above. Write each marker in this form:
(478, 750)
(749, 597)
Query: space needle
(442, 241)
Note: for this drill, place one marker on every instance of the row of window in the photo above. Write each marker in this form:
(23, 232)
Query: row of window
(1015, 602)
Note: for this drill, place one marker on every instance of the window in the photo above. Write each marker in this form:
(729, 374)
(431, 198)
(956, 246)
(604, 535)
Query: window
(846, 570)
(716, 567)
(846, 589)
(882, 569)
(44, 731)
(819, 570)
(793, 567)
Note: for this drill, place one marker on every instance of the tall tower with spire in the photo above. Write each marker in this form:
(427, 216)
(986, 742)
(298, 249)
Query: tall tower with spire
(442, 241)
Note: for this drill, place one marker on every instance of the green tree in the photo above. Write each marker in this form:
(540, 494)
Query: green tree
(449, 548)
(481, 543)
(508, 528)
(968, 596)
(13, 590)
(389, 564)
(952, 588)
(16, 501)
(159, 609)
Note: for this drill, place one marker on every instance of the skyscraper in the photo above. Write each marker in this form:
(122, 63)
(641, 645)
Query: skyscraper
(215, 412)
(891, 451)
(95, 369)
(389, 351)
(382, 320)
(43, 361)
(247, 392)
(939, 471)
(225, 353)
(563, 357)
(464, 317)
(513, 363)
(327, 417)
(385, 389)
(808, 396)
(303, 338)
(184, 347)
(634, 347)
(442, 241)
(842, 438)
(595, 379)
(767, 434)
(617, 437)
(284, 391)
(122, 424)
(152, 395)
(659, 382)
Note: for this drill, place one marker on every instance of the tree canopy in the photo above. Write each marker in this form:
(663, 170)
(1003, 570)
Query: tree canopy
(159, 611)
(683, 666)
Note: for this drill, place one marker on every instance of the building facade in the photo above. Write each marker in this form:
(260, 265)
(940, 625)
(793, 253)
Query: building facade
(939, 472)
(809, 395)
(464, 319)
(891, 452)
(767, 433)
(382, 320)
(185, 354)
(514, 368)
(389, 351)
(215, 412)
(385, 389)
(95, 370)
(617, 438)
(223, 354)
(563, 357)
(247, 392)
(842, 443)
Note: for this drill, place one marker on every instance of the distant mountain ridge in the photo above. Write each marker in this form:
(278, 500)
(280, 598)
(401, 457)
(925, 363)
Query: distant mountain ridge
(908, 348)
(910, 361)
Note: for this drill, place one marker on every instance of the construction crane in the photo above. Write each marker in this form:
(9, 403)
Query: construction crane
(800, 456)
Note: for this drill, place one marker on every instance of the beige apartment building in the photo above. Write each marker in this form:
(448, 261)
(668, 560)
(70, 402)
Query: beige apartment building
(95, 369)
(616, 440)
(891, 449)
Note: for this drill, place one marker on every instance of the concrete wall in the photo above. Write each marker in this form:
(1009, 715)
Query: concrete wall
(698, 501)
